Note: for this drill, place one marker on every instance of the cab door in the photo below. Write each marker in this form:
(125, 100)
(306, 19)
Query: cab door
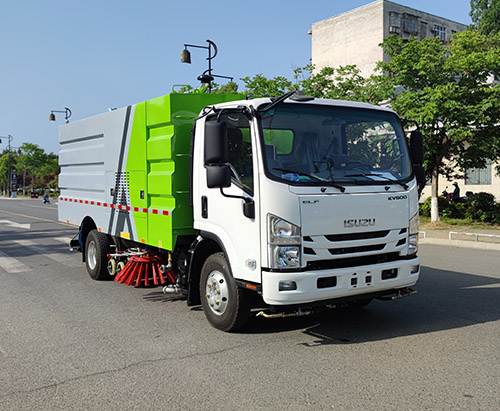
(220, 211)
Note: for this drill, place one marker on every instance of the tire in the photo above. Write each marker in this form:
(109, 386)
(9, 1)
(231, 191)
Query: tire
(97, 247)
(226, 306)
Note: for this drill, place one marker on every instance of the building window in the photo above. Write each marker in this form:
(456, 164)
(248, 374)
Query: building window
(394, 19)
(394, 23)
(410, 24)
(423, 30)
(479, 175)
(440, 31)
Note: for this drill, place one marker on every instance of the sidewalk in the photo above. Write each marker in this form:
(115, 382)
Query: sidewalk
(462, 237)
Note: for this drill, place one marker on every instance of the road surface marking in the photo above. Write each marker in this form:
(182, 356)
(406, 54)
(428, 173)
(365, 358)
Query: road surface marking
(12, 265)
(39, 219)
(16, 225)
(39, 206)
(64, 259)
(65, 240)
(472, 287)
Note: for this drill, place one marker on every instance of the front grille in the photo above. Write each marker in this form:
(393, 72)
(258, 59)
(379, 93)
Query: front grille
(352, 261)
(357, 236)
(358, 249)
(349, 249)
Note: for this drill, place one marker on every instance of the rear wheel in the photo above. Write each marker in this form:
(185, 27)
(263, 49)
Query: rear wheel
(226, 306)
(97, 247)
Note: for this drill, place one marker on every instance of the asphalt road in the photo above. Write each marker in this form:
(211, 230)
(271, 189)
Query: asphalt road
(68, 342)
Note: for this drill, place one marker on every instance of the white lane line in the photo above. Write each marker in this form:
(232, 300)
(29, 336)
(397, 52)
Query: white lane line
(47, 206)
(12, 265)
(64, 240)
(65, 259)
(16, 225)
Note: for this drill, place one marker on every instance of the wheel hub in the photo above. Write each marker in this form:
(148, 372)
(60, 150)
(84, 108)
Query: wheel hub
(217, 292)
(92, 255)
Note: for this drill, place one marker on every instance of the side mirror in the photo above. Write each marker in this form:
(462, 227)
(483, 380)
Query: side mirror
(216, 145)
(416, 147)
(419, 174)
(218, 176)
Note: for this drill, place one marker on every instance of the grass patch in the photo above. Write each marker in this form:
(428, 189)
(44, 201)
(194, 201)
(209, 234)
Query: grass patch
(454, 223)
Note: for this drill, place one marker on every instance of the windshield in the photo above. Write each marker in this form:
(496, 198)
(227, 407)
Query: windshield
(306, 144)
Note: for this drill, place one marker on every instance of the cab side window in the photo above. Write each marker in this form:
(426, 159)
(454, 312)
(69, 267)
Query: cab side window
(239, 149)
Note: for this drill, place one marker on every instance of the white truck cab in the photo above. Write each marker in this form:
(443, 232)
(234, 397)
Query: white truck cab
(332, 196)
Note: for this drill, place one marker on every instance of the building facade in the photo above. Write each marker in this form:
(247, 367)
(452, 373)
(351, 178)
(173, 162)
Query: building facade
(354, 37)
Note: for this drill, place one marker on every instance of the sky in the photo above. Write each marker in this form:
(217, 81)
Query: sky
(97, 54)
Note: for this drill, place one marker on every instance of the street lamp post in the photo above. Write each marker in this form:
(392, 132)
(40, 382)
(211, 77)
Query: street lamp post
(67, 114)
(207, 76)
(9, 138)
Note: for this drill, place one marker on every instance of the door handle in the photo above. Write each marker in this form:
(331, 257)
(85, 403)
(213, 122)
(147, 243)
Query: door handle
(204, 207)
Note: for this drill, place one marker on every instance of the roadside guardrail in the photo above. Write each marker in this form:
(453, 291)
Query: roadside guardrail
(476, 235)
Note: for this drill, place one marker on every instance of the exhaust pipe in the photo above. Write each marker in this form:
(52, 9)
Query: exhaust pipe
(172, 289)
(298, 313)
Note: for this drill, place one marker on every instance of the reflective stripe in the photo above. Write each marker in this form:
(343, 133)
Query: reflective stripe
(118, 206)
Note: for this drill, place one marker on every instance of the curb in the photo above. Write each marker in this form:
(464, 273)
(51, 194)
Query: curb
(460, 243)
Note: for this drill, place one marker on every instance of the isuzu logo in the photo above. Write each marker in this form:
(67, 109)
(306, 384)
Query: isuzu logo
(403, 197)
(359, 222)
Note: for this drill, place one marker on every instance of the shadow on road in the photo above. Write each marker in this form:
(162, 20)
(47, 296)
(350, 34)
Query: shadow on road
(446, 300)
(161, 297)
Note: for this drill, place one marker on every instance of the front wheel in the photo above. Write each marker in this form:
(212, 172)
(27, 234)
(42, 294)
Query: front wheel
(226, 306)
(97, 247)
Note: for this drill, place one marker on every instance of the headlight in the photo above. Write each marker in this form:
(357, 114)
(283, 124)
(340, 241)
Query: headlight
(413, 235)
(286, 257)
(283, 232)
(413, 244)
(414, 224)
(284, 243)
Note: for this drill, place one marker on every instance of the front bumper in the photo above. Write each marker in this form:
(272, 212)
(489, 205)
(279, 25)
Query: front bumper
(313, 286)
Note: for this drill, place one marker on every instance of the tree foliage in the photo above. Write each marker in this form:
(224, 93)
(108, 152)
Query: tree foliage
(33, 165)
(4, 168)
(447, 90)
(229, 88)
(485, 15)
(343, 83)
(260, 86)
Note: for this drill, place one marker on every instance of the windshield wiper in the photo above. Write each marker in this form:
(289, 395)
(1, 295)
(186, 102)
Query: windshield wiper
(378, 175)
(314, 178)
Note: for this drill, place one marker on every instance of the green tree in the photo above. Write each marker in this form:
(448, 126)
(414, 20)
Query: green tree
(447, 89)
(229, 88)
(48, 172)
(485, 15)
(30, 162)
(4, 169)
(343, 83)
(260, 86)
